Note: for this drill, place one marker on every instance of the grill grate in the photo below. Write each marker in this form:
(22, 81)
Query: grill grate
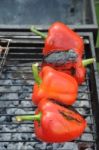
(16, 85)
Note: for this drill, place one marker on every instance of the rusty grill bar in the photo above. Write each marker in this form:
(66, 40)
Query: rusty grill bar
(16, 84)
(4, 49)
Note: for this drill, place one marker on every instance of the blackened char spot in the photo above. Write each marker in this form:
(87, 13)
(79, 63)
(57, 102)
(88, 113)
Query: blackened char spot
(63, 105)
(61, 57)
(69, 117)
(58, 103)
(73, 71)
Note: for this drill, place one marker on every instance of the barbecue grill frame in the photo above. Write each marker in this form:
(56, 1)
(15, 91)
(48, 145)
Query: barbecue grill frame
(93, 83)
(93, 27)
(94, 91)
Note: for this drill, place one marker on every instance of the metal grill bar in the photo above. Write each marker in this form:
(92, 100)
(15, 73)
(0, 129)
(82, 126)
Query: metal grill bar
(30, 99)
(35, 107)
(23, 141)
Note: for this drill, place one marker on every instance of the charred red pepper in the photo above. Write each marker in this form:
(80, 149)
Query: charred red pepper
(55, 123)
(54, 84)
(63, 50)
(68, 62)
(61, 37)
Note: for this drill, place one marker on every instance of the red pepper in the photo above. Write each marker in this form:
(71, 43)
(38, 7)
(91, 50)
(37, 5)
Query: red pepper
(55, 85)
(55, 123)
(61, 37)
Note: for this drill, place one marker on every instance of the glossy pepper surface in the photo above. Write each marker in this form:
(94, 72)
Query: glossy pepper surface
(61, 37)
(55, 123)
(55, 85)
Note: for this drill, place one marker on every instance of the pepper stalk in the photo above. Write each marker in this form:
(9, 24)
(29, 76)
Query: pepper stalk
(36, 117)
(34, 30)
(35, 72)
(86, 62)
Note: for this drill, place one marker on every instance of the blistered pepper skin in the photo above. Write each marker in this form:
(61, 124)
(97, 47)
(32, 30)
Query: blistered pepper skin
(58, 124)
(61, 37)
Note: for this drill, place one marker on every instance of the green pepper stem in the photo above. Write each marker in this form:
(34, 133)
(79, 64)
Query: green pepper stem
(34, 30)
(36, 117)
(86, 62)
(37, 78)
